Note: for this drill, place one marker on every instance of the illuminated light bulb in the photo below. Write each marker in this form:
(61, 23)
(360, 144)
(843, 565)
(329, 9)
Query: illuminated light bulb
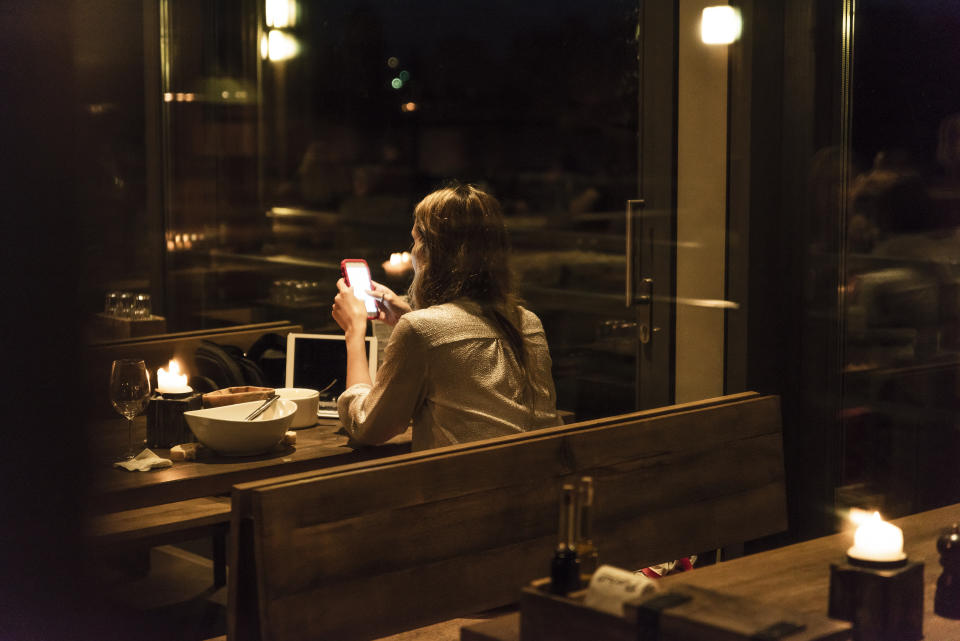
(170, 246)
(396, 83)
(281, 46)
(168, 97)
(189, 97)
(280, 13)
(720, 25)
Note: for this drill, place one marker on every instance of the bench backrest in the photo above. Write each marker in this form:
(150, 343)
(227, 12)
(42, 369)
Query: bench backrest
(371, 549)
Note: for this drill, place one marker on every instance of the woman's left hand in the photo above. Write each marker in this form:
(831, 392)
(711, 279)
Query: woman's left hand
(348, 311)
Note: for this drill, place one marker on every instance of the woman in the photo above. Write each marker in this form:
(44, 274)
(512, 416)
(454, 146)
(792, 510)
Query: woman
(465, 361)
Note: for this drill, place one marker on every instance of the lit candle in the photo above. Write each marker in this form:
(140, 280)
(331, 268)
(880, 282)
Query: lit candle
(172, 381)
(398, 263)
(877, 541)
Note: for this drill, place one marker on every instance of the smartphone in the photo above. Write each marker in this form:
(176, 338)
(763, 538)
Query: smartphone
(356, 273)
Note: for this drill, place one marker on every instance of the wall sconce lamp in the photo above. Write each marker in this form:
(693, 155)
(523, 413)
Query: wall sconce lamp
(721, 25)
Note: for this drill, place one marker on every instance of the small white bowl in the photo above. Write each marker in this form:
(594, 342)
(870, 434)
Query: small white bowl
(307, 400)
(224, 431)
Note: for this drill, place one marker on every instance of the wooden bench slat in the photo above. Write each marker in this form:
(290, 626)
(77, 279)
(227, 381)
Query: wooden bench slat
(632, 443)
(530, 511)
(158, 520)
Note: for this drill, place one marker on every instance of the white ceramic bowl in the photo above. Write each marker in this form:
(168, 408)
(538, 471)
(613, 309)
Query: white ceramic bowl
(307, 400)
(224, 431)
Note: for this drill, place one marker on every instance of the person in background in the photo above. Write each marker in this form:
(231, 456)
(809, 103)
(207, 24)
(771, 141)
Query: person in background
(465, 361)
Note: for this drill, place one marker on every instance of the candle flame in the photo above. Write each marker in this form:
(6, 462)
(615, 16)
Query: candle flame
(875, 539)
(859, 517)
(398, 263)
(172, 377)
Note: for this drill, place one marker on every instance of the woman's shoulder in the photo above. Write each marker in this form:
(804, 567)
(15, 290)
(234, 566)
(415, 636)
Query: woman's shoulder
(445, 313)
(436, 321)
(460, 319)
(531, 322)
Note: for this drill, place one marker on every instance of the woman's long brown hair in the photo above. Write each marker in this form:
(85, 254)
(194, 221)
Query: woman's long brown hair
(466, 253)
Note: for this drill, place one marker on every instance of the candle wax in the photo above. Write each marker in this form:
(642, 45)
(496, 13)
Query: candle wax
(878, 541)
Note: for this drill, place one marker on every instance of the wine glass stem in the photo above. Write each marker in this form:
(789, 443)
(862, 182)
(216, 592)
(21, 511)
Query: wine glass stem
(130, 436)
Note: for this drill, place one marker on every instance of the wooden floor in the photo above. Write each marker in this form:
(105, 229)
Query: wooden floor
(175, 600)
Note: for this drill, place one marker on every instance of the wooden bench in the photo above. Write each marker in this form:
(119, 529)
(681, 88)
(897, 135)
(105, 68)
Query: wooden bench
(364, 550)
(143, 528)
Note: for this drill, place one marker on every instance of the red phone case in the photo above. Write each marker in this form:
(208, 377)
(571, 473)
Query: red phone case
(343, 270)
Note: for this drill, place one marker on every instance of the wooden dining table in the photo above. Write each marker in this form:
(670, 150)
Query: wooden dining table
(114, 489)
(795, 578)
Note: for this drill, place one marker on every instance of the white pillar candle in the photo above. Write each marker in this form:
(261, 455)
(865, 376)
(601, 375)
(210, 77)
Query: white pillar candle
(877, 541)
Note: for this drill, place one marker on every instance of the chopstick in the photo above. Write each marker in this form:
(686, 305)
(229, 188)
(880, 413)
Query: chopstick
(263, 408)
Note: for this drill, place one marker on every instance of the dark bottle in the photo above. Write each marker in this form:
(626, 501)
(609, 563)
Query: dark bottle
(565, 568)
(586, 550)
(946, 600)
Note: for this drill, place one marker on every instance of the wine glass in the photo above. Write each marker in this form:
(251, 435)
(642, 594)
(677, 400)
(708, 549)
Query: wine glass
(129, 392)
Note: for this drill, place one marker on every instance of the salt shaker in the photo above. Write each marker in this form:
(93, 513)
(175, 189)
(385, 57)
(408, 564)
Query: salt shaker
(946, 601)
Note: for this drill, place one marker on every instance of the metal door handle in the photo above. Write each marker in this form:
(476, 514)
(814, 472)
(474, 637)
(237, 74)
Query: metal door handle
(629, 254)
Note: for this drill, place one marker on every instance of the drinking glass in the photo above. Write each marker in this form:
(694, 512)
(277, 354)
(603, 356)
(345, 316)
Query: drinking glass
(125, 304)
(111, 302)
(142, 308)
(129, 392)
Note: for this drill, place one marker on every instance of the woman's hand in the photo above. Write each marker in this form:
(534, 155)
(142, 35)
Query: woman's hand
(348, 311)
(392, 307)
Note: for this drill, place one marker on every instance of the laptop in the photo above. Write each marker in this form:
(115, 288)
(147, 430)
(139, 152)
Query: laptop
(319, 361)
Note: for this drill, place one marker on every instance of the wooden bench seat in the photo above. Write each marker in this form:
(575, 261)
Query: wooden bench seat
(370, 549)
(164, 524)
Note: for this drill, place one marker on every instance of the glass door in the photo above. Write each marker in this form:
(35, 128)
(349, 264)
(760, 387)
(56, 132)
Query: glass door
(340, 116)
(650, 219)
(536, 102)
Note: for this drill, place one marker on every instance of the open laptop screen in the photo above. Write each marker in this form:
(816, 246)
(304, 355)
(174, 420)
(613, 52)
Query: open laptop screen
(319, 361)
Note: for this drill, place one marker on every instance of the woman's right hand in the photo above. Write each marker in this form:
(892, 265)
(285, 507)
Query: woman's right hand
(392, 307)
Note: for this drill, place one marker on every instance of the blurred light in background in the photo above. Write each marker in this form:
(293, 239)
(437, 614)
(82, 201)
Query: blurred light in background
(392, 62)
(408, 107)
(404, 75)
(396, 83)
(281, 13)
(278, 45)
(720, 25)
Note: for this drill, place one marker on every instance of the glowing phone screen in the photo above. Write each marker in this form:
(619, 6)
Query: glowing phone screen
(359, 277)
